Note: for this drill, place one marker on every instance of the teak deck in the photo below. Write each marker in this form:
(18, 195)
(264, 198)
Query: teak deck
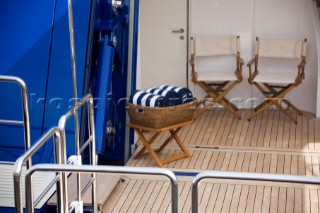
(270, 143)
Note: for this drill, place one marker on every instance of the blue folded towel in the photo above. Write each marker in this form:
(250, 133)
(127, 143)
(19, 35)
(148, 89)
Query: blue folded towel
(144, 98)
(170, 97)
(184, 94)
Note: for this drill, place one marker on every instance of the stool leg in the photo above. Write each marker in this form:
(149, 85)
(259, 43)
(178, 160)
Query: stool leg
(179, 142)
(150, 141)
(149, 148)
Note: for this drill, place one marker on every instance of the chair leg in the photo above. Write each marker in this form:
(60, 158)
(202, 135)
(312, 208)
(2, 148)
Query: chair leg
(273, 100)
(219, 97)
(289, 104)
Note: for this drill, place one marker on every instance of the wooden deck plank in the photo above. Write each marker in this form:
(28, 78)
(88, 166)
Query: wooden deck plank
(213, 198)
(286, 133)
(244, 132)
(155, 186)
(298, 200)
(205, 197)
(267, 135)
(311, 135)
(227, 128)
(220, 199)
(292, 135)
(266, 199)
(317, 134)
(282, 199)
(204, 129)
(258, 199)
(210, 127)
(243, 199)
(299, 133)
(164, 192)
(131, 197)
(235, 198)
(197, 128)
(274, 130)
(274, 199)
(290, 200)
(280, 131)
(238, 131)
(251, 198)
(215, 128)
(124, 196)
(139, 201)
(228, 198)
(262, 129)
(251, 131)
(306, 200)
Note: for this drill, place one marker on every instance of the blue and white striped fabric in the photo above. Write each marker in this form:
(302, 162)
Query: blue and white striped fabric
(144, 98)
(184, 94)
(170, 97)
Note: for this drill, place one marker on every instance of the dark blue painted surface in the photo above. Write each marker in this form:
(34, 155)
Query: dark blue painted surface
(39, 53)
(114, 24)
(24, 52)
(59, 96)
(34, 45)
(102, 89)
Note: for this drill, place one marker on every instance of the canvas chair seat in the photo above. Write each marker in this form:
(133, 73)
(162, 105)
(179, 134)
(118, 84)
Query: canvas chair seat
(276, 84)
(276, 78)
(214, 76)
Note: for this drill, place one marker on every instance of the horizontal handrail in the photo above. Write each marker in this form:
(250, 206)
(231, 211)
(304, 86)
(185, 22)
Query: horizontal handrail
(102, 169)
(246, 176)
(17, 173)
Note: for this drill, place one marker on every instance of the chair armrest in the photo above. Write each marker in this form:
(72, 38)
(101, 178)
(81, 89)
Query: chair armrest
(301, 71)
(191, 61)
(302, 64)
(255, 73)
(241, 61)
(251, 62)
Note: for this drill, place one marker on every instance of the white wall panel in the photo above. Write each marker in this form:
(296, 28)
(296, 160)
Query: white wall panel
(264, 18)
(220, 18)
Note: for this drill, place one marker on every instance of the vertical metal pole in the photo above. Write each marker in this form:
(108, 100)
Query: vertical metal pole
(29, 194)
(59, 184)
(73, 53)
(93, 155)
(194, 197)
(64, 198)
(26, 120)
(174, 195)
(75, 95)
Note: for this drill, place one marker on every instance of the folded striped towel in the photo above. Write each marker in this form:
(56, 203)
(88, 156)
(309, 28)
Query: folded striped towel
(170, 97)
(184, 94)
(144, 98)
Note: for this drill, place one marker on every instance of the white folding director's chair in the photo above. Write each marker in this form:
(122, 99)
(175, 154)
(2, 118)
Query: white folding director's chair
(278, 82)
(217, 82)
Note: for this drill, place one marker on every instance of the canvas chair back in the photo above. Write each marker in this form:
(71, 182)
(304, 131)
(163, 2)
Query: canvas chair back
(285, 49)
(215, 53)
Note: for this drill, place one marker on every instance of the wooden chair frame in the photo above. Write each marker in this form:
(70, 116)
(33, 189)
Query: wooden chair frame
(218, 91)
(275, 95)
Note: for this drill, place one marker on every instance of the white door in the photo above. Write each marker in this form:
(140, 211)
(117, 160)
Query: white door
(163, 43)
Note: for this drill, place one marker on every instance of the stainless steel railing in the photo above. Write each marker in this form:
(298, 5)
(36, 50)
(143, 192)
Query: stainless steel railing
(59, 135)
(101, 169)
(25, 121)
(17, 174)
(79, 149)
(246, 176)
